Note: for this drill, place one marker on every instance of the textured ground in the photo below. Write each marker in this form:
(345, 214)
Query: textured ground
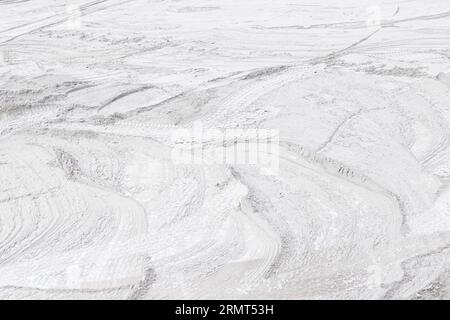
(92, 204)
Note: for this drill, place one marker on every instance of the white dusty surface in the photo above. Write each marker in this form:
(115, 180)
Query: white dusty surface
(93, 205)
